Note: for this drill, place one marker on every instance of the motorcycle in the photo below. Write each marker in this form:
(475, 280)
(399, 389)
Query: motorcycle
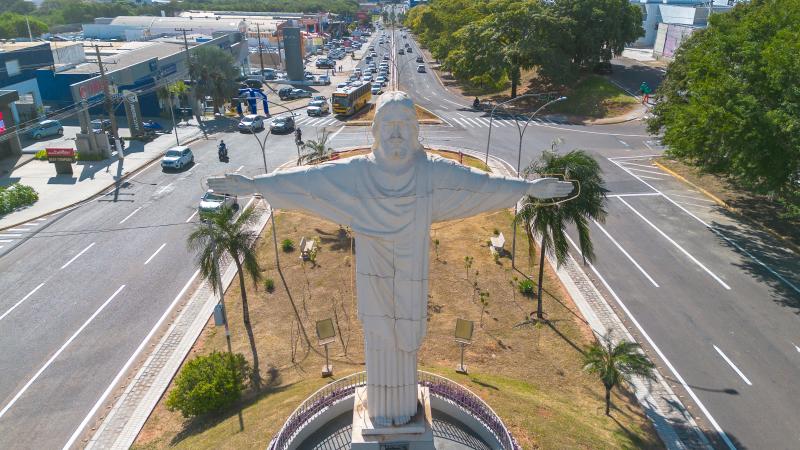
(476, 104)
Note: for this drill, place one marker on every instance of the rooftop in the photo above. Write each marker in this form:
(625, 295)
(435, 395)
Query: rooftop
(122, 59)
(9, 46)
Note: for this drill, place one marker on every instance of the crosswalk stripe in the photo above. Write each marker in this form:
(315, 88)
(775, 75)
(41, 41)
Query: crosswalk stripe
(498, 123)
(312, 122)
(301, 119)
(324, 122)
(5, 240)
(464, 122)
(484, 121)
(475, 121)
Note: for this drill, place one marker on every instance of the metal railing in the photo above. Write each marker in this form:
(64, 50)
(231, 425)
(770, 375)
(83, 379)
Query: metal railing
(345, 388)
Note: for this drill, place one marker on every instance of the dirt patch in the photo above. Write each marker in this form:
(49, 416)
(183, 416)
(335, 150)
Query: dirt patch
(760, 210)
(529, 373)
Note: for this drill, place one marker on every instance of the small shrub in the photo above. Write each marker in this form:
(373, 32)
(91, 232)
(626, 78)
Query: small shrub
(41, 155)
(496, 232)
(16, 196)
(287, 245)
(269, 285)
(526, 287)
(208, 383)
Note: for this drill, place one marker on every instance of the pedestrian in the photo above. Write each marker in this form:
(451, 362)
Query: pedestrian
(340, 68)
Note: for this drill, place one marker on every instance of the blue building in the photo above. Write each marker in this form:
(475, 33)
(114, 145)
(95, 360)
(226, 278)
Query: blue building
(19, 62)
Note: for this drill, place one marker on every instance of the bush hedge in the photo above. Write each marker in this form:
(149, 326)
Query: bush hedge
(208, 383)
(15, 196)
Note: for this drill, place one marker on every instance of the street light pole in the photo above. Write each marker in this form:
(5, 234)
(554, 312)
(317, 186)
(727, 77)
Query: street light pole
(521, 132)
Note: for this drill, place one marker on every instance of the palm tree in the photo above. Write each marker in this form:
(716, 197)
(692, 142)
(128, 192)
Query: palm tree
(550, 220)
(223, 233)
(318, 150)
(616, 363)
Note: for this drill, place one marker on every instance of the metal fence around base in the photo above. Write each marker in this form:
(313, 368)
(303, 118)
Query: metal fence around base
(345, 388)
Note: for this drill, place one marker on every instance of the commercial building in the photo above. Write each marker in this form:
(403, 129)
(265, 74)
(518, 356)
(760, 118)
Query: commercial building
(9, 142)
(689, 13)
(18, 64)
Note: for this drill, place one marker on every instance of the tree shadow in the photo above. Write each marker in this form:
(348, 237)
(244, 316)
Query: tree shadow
(338, 241)
(486, 385)
(572, 344)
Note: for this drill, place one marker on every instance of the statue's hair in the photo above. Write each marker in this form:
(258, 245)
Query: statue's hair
(392, 99)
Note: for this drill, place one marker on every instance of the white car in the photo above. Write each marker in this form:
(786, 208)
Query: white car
(317, 108)
(251, 122)
(367, 78)
(177, 158)
(376, 89)
(382, 80)
(212, 202)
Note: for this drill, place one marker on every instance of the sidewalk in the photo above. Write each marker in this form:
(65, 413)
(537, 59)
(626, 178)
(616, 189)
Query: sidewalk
(57, 192)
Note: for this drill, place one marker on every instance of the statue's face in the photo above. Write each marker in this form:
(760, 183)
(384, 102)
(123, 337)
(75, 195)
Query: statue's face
(397, 134)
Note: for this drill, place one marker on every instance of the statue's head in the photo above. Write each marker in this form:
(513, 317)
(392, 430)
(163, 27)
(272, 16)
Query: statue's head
(395, 130)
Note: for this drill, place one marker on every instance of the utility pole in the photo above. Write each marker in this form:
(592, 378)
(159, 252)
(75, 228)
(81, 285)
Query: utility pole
(30, 35)
(192, 98)
(109, 104)
(260, 50)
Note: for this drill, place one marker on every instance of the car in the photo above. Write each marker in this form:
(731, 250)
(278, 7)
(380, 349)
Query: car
(373, 55)
(408, 50)
(252, 83)
(270, 74)
(284, 92)
(320, 97)
(382, 80)
(177, 157)
(47, 128)
(100, 125)
(251, 122)
(343, 84)
(324, 79)
(376, 89)
(352, 77)
(385, 57)
(401, 52)
(212, 202)
(367, 78)
(296, 93)
(317, 108)
(603, 67)
(283, 124)
(419, 59)
(324, 64)
(421, 68)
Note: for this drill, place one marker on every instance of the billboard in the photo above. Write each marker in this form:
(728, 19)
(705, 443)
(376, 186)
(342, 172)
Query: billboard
(60, 154)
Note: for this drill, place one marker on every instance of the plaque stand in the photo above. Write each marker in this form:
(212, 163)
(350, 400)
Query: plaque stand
(417, 434)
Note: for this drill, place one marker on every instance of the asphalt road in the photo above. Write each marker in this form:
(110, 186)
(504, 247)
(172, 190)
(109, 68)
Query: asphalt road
(715, 301)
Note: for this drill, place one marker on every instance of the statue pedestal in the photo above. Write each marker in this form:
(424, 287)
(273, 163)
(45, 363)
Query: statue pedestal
(415, 435)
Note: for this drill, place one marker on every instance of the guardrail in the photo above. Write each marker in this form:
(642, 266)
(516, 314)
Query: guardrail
(344, 388)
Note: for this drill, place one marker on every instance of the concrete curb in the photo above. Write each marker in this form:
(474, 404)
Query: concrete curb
(131, 409)
(101, 190)
(730, 208)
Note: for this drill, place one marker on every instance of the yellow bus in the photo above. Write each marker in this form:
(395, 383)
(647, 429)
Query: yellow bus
(346, 101)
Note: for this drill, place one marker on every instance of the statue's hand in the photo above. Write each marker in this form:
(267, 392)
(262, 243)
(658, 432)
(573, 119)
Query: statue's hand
(232, 184)
(550, 188)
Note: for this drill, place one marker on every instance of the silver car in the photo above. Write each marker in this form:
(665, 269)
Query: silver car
(177, 158)
(47, 128)
(251, 122)
(212, 202)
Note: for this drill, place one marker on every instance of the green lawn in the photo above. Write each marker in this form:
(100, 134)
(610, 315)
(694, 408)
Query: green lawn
(594, 97)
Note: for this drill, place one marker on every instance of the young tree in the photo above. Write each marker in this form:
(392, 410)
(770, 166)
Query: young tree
(550, 220)
(214, 71)
(317, 150)
(730, 103)
(223, 233)
(615, 364)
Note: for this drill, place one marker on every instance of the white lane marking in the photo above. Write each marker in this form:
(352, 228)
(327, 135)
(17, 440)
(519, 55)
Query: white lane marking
(449, 101)
(651, 178)
(426, 98)
(21, 301)
(476, 122)
(730, 363)
(637, 165)
(154, 254)
(484, 121)
(623, 142)
(648, 145)
(444, 107)
(643, 194)
(240, 168)
(13, 235)
(337, 133)
(465, 123)
(131, 214)
(631, 157)
(78, 255)
(796, 348)
(693, 198)
(658, 351)
(19, 229)
(498, 123)
(127, 365)
(714, 230)
(683, 202)
(5, 241)
(301, 119)
(57, 353)
(460, 114)
(671, 241)
(313, 122)
(191, 217)
(652, 172)
(627, 255)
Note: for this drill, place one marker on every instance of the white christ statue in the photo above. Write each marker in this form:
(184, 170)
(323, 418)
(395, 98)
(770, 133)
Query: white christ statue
(389, 198)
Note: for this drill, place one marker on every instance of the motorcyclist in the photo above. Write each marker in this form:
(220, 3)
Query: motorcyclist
(477, 103)
(222, 150)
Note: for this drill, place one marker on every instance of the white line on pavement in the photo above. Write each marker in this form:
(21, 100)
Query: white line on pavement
(10, 235)
(77, 256)
(19, 229)
(498, 123)
(57, 353)
(623, 142)
(684, 202)
(130, 361)
(191, 217)
(652, 172)
(460, 114)
(449, 101)
(484, 121)
(336, 134)
(129, 215)
(671, 241)
(672, 369)
(713, 230)
(475, 121)
(240, 168)
(647, 145)
(464, 122)
(627, 255)
(796, 348)
(650, 178)
(693, 198)
(637, 165)
(426, 98)
(727, 360)
(20, 302)
(154, 254)
(5, 241)
(632, 157)
(643, 194)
